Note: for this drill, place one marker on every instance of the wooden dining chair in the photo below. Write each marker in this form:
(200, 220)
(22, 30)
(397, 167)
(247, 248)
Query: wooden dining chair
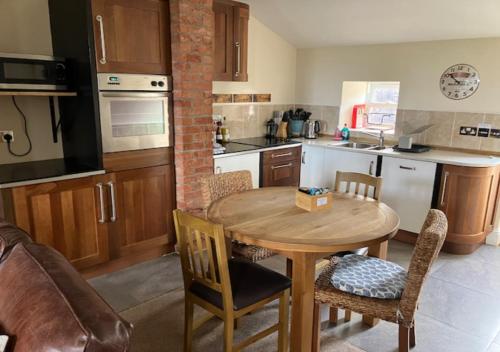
(380, 289)
(358, 180)
(228, 289)
(217, 186)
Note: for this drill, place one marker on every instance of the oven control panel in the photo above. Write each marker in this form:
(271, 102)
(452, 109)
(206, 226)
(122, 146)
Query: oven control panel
(134, 82)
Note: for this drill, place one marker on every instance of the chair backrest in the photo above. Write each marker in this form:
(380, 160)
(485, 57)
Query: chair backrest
(427, 247)
(217, 186)
(358, 179)
(203, 253)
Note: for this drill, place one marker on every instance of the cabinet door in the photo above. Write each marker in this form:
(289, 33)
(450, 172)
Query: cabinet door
(407, 188)
(240, 66)
(286, 173)
(249, 162)
(340, 160)
(69, 216)
(144, 200)
(132, 36)
(311, 171)
(468, 196)
(223, 41)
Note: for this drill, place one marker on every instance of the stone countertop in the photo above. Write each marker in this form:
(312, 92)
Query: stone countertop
(434, 155)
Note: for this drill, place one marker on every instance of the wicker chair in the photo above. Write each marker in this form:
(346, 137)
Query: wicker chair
(217, 186)
(400, 311)
(357, 180)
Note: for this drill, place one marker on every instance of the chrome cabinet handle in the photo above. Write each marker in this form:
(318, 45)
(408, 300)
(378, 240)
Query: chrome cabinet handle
(304, 158)
(444, 186)
(102, 218)
(407, 168)
(113, 201)
(99, 19)
(280, 155)
(370, 169)
(238, 60)
(281, 166)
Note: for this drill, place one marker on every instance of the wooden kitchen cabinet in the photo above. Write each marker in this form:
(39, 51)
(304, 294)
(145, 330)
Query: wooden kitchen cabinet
(281, 167)
(231, 40)
(468, 197)
(144, 205)
(132, 36)
(66, 215)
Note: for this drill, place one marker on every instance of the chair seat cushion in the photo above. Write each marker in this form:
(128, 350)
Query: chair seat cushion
(250, 283)
(369, 277)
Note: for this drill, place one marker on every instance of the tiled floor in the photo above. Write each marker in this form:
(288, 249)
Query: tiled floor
(459, 307)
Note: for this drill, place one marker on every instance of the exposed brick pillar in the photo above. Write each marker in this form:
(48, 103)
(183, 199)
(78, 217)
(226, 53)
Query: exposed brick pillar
(192, 62)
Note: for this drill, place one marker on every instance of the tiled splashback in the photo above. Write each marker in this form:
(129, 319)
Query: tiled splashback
(248, 120)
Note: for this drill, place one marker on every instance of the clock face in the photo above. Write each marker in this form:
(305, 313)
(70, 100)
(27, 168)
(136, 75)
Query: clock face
(459, 81)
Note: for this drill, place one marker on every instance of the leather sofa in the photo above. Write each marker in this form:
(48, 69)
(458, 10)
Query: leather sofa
(45, 305)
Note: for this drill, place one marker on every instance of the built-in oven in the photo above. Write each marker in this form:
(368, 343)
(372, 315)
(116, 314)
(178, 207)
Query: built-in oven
(135, 111)
(32, 72)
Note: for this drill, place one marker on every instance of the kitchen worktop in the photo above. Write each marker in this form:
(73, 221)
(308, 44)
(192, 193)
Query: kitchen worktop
(254, 145)
(34, 172)
(434, 155)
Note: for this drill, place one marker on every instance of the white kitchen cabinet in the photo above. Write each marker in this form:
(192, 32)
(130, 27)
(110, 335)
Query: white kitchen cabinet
(311, 168)
(348, 161)
(407, 188)
(249, 161)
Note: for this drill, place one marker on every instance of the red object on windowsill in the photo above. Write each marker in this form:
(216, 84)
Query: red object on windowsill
(357, 115)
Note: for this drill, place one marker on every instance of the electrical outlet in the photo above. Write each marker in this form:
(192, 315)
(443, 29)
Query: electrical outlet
(5, 133)
(468, 131)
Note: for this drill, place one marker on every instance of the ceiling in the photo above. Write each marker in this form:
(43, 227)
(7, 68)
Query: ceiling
(318, 23)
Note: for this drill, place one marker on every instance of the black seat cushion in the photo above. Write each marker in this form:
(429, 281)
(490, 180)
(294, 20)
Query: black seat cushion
(250, 283)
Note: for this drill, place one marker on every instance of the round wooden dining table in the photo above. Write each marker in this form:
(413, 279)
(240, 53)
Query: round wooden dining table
(268, 217)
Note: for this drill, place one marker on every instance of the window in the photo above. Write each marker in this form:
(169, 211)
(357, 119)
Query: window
(382, 104)
(369, 105)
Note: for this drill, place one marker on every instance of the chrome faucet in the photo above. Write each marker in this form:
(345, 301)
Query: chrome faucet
(381, 137)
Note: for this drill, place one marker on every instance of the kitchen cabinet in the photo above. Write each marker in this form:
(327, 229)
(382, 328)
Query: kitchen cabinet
(230, 40)
(340, 160)
(468, 195)
(66, 215)
(95, 221)
(281, 167)
(311, 171)
(249, 162)
(142, 214)
(132, 36)
(407, 188)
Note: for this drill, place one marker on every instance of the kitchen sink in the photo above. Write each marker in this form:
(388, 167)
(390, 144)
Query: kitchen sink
(358, 145)
(378, 148)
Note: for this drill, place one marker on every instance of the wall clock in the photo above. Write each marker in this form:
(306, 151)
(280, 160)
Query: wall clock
(459, 81)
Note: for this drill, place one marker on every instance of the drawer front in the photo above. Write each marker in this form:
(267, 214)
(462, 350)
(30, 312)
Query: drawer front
(281, 155)
(286, 173)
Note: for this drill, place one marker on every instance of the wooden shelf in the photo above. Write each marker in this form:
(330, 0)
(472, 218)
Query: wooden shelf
(37, 93)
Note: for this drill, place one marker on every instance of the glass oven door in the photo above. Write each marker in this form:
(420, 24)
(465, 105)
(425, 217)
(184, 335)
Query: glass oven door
(135, 120)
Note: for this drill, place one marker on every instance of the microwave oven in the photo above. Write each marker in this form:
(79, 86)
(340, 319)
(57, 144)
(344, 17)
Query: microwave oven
(32, 72)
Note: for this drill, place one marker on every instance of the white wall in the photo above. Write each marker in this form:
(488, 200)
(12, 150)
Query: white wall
(25, 28)
(418, 66)
(271, 66)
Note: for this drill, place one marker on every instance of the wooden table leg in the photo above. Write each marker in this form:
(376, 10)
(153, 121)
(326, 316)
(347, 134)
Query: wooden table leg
(302, 302)
(379, 251)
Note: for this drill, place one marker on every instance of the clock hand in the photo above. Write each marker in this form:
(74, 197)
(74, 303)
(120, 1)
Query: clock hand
(452, 76)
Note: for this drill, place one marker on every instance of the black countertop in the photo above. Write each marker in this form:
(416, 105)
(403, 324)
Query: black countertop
(255, 143)
(33, 170)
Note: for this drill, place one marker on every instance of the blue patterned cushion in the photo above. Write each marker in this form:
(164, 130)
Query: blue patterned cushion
(369, 277)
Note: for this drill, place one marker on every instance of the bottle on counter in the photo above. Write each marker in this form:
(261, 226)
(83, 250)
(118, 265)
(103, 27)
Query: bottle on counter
(345, 133)
(218, 132)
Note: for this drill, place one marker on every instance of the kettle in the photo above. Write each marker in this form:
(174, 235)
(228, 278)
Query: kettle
(311, 129)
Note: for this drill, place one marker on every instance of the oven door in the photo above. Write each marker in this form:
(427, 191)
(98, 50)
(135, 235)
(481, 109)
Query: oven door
(135, 120)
